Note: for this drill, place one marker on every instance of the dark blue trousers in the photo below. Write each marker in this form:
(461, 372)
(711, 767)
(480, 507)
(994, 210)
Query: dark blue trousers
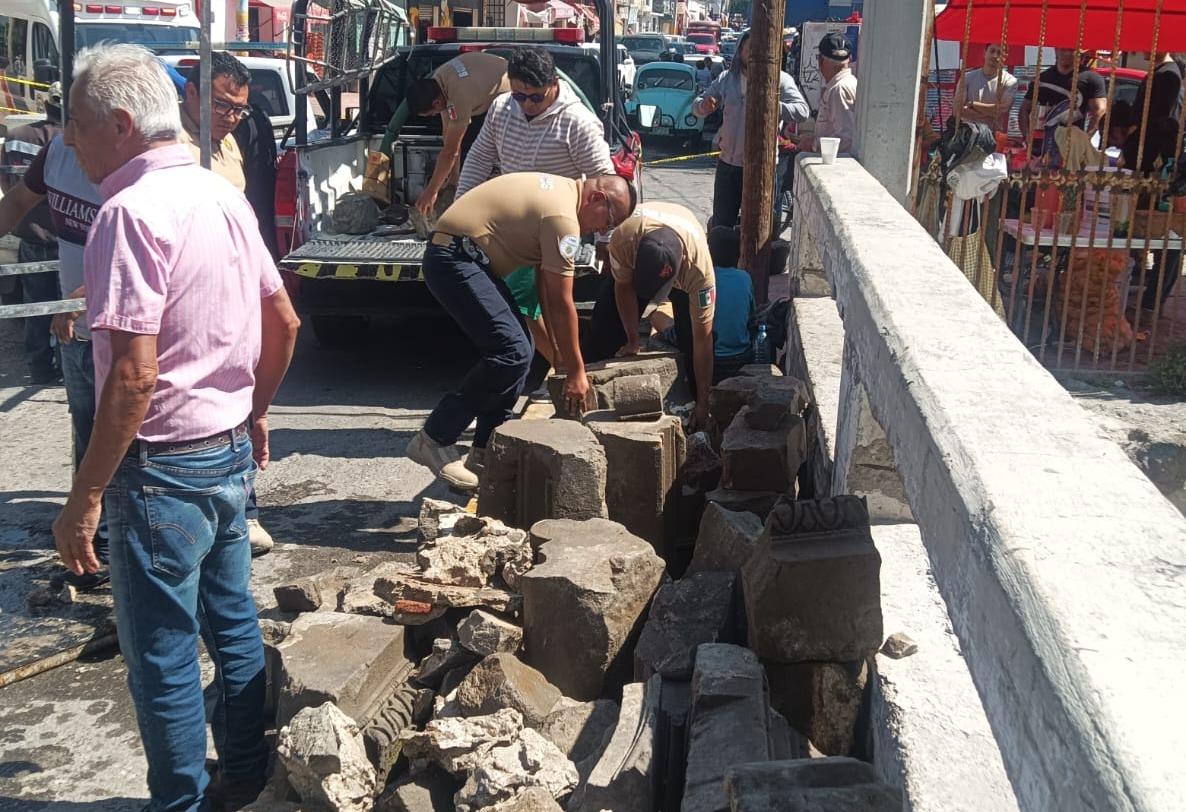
(482, 305)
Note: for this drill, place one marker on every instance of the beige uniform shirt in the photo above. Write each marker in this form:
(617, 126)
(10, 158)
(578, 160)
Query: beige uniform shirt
(225, 158)
(838, 110)
(524, 218)
(470, 83)
(694, 277)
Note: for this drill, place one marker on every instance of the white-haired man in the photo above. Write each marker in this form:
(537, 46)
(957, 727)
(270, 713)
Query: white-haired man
(192, 334)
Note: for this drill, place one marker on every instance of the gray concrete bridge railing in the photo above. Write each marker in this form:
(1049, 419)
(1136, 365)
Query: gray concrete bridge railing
(1062, 567)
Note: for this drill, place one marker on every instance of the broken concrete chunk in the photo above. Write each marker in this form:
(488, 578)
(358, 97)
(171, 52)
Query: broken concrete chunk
(602, 373)
(477, 550)
(355, 213)
(315, 591)
(502, 681)
(809, 785)
(624, 778)
(430, 790)
(899, 645)
(541, 469)
(812, 588)
(636, 397)
(451, 742)
(326, 762)
(759, 503)
(503, 771)
(446, 655)
(409, 586)
(730, 395)
(699, 608)
(726, 541)
(757, 459)
(532, 799)
(643, 461)
(702, 464)
(583, 604)
(580, 729)
(820, 700)
(353, 661)
(728, 724)
(485, 634)
(437, 518)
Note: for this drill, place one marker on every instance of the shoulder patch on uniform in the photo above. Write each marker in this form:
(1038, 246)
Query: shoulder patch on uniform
(459, 67)
(707, 296)
(545, 183)
(569, 246)
(451, 112)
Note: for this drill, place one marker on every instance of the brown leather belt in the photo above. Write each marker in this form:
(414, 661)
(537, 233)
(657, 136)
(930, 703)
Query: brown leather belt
(144, 448)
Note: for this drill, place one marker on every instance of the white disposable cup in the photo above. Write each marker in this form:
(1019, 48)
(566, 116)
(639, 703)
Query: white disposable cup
(828, 147)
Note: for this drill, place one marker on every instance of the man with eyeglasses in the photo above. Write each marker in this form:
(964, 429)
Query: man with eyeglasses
(516, 220)
(230, 85)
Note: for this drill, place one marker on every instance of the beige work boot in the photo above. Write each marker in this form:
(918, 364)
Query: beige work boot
(443, 460)
(259, 538)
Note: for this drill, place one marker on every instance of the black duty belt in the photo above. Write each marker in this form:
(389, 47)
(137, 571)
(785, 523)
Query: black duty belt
(465, 245)
(143, 448)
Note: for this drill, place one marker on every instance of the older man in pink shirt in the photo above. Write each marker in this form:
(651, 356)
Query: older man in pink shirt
(192, 333)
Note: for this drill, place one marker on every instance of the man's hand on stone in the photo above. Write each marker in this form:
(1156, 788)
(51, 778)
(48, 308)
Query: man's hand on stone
(74, 531)
(426, 203)
(576, 390)
(259, 442)
(699, 417)
(629, 348)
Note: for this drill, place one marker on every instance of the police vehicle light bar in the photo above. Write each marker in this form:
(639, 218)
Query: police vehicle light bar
(568, 36)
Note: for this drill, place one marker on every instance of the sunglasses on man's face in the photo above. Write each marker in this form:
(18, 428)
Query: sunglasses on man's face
(534, 98)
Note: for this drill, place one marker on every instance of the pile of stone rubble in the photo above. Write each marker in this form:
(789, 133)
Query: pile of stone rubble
(540, 656)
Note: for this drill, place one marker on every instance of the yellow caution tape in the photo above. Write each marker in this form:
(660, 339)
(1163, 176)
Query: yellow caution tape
(19, 81)
(15, 110)
(679, 158)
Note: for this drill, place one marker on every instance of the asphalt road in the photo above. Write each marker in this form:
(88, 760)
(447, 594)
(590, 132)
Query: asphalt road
(339, 490)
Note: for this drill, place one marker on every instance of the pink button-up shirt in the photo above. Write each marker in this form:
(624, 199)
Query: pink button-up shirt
(175, 252)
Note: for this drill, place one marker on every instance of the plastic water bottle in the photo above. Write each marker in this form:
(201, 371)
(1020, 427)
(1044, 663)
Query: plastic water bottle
(761, 346)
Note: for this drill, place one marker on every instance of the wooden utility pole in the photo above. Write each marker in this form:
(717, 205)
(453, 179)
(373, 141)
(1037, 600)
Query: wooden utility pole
(763, 67)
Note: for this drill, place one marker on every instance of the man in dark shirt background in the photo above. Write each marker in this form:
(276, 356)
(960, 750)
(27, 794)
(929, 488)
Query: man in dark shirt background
(1054, 86)
(39, 242)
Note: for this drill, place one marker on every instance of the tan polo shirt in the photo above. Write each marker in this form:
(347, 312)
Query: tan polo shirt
(524, 218)
(225, 158)
(470, 83)
(695, 276)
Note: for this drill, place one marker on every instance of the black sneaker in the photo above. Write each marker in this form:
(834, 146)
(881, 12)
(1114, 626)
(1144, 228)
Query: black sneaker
(83, 583)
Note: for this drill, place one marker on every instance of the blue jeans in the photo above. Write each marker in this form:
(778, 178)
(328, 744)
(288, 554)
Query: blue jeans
(78, 374)
(180, 566)
(482, 305)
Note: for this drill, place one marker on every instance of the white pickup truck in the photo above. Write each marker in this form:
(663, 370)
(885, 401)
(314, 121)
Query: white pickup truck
(340, 281)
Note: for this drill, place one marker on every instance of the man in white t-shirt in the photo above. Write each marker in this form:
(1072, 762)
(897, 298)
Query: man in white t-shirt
(985, 95)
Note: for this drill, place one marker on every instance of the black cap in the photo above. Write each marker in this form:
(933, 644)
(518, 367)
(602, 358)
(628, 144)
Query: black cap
(834, 46)
(656, 262)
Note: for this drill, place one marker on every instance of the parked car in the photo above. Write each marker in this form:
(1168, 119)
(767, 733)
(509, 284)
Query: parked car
(644, 48)
(662, 101)
(626, 66)
(728, 50)
(705, 43)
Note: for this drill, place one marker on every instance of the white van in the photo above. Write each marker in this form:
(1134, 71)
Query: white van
(30, 51)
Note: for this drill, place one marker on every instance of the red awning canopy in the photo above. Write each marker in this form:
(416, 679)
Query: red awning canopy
(1100, 23)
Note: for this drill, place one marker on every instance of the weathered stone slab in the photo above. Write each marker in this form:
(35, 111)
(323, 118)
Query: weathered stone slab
(635, 397)
(584, 603)
(760, 371)
(453, 743)
(699, 608)
(502, 681)
(759, 503)
(729, 396)
(602, 373)
(702, 464)
(812, 588)
(485, 634)
(406, 589)
(533, 799)
(357, 595)
(625, 776)
(543, 469)
(728, 724)
(726, 541)
(809, 785)
(315, 591)
(381, 734)
(437, 518)
(761, 458)
(353, 661)
(326, 762)
(503, 772)
(820, 700)
(430, 790)
(643, 460)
